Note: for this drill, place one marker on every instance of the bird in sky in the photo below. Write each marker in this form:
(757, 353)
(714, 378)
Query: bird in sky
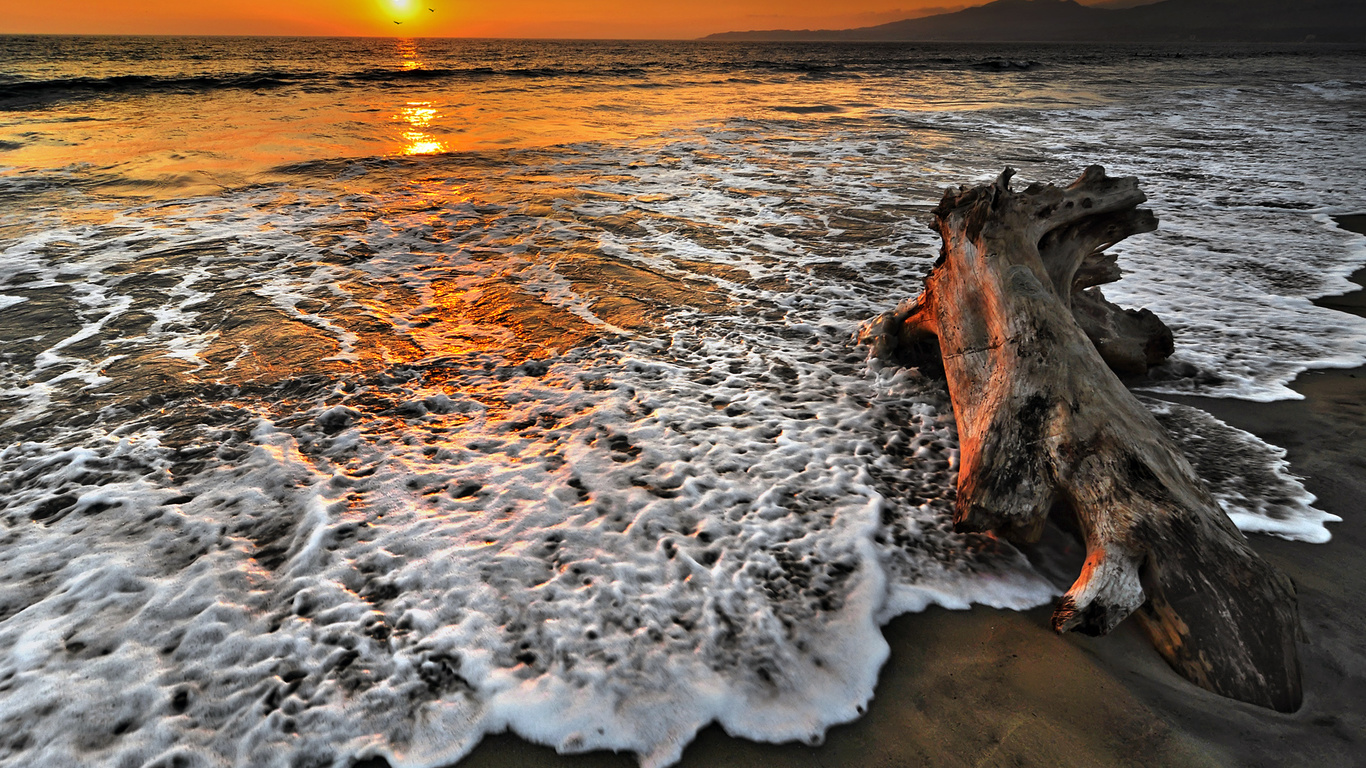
(398, 22)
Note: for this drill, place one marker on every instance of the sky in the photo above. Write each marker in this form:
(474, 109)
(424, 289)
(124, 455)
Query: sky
(453, 18)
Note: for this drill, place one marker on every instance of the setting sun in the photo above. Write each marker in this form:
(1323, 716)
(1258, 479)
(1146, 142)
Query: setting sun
(401, 9)
(412, 17)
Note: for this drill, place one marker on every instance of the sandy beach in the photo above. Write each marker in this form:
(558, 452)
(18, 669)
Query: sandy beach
(998, 688)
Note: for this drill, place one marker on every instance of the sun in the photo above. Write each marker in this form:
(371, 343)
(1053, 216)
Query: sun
(401, 9)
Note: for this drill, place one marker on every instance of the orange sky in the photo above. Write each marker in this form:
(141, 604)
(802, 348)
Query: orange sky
(452, 18)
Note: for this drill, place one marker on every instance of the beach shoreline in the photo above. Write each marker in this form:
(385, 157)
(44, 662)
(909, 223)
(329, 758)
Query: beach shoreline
(996, 687)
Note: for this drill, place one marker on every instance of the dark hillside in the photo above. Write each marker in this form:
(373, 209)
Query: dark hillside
(1068, 21)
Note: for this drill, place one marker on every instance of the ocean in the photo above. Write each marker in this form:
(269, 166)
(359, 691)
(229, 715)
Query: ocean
(363, 397)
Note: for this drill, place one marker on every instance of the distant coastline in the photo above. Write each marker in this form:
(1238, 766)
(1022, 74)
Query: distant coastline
(1337, 21)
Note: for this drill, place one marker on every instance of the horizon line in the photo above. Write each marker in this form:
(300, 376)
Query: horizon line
(703, 39)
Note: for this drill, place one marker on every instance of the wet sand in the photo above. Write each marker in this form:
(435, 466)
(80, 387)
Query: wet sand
(998, 688)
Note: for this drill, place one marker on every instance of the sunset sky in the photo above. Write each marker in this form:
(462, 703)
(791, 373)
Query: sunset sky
(453, 18)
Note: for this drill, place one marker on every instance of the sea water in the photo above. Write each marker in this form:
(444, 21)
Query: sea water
(359, 398)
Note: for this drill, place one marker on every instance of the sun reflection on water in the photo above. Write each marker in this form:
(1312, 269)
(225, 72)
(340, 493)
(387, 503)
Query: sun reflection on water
(407, 52)
(418, 117)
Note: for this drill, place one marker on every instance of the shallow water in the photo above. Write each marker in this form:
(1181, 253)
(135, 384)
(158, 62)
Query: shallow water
(365, 397)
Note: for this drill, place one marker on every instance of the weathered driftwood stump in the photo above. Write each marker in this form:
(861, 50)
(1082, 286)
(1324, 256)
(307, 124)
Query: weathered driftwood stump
(1045, 426)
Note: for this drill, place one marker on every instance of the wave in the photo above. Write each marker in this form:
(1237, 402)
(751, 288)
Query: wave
(38, 92)
(18, 93)
(1007, 65)
(406, 75)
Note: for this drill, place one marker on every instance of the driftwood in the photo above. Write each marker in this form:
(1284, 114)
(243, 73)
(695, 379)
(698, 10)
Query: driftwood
(1029, 347)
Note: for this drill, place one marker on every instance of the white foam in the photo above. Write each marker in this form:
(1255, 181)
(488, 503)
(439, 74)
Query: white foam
(715, 568)
(1250, 478)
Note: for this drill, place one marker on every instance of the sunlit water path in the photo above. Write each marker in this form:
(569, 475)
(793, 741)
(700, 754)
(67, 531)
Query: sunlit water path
(364, 397)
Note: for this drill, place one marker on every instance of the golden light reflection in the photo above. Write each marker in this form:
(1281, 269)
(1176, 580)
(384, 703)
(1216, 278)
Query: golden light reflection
(418, 115)
(408, 55)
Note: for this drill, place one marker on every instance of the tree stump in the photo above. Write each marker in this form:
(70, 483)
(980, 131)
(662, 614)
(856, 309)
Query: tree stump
(1030, 349)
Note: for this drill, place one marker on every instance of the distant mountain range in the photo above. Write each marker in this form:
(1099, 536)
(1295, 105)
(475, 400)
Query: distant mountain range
(1116, 21)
